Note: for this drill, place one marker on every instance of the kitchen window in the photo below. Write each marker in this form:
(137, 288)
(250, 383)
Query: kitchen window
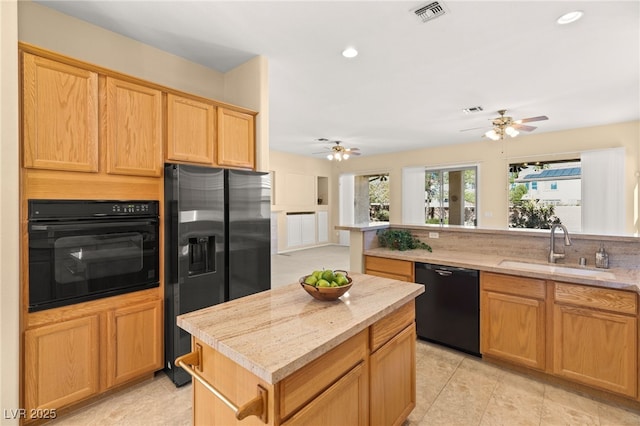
(440, 196)
(544, 193)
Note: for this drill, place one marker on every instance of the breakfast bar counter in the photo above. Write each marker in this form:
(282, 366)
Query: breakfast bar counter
(291, 357)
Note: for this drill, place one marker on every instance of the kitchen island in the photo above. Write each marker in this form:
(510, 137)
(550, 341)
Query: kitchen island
(282, 357)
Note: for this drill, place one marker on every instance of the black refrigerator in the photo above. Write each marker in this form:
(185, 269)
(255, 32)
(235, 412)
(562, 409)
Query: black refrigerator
(217, 245)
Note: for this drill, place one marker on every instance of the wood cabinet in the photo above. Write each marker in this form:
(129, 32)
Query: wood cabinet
(134, 342)
(513, 319)
(132, 128)
(595, 337)
(369, 379)
(59, 116)
(343, 403)
(191, 126)
(236, 139)
(396, 269)
(84, 350)
(393, 379)
(61, 363)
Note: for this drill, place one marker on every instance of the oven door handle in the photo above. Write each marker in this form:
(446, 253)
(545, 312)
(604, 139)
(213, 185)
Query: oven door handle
(84, 226)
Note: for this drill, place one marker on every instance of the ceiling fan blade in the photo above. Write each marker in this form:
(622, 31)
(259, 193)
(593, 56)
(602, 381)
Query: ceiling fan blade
(474, 128)
(530, 119)
(354, 153)
(352, 149)
(524, 128)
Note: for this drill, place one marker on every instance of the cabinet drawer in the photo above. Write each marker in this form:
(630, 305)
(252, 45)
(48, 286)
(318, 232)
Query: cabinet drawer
(303, 385)
(594, 297)
(383, 330)
(390, 266)
(510, 284)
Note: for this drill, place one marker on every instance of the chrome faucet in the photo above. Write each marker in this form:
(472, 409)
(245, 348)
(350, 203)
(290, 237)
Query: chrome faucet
(553, 256)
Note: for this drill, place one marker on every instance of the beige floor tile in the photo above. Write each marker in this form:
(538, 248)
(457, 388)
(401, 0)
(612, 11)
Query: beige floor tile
(516, 400)
(611, 415)
(563, 407)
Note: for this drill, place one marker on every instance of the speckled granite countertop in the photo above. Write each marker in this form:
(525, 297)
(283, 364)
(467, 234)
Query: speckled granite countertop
(276, 332)
(625, 279)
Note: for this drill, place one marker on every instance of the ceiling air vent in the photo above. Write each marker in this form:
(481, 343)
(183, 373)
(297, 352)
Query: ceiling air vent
(472, 109)
(430, 11)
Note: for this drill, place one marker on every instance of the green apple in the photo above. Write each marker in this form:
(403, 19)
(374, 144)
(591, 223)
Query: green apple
(327, 274)
(317, 274)
(323, 283)
(311, 280)
(341, 279)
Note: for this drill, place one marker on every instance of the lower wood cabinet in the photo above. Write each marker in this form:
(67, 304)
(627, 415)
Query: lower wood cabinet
(343, 403)
(65, 362)
(393, 379)
(134, 345)
(512, 319)
(61, 363)
(589, 334)
(402, 270)
(596, 347)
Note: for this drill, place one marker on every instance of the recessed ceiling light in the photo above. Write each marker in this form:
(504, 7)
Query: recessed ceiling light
(570, 17)
(349, 52)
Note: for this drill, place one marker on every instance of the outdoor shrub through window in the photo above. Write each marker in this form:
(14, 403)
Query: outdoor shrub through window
(544, 193)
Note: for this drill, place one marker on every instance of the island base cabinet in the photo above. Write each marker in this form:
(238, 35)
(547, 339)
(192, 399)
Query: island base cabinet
(596, 348)
(61, 363)
(344, 403)
(393, 379)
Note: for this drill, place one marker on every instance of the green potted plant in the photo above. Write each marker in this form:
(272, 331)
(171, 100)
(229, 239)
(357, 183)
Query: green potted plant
(400, 239)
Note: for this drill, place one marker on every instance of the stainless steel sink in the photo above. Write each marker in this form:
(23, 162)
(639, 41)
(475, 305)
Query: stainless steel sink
(557, 269)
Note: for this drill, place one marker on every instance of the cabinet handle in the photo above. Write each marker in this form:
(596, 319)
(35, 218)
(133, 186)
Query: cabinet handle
(256, 407)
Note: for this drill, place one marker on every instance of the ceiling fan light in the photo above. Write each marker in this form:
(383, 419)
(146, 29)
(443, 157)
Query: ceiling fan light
(330, 157)
(345, 156)
(570, 17)
(492, 134)
(511, 131)
(349, 52)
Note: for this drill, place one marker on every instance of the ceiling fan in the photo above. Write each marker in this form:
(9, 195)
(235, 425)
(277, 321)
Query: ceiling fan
(338, 152)
(505, 125)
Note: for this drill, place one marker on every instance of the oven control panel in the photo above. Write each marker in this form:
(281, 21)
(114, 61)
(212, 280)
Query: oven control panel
(85, 209)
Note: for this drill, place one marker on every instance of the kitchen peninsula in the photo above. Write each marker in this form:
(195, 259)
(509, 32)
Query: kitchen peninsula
(282, 357)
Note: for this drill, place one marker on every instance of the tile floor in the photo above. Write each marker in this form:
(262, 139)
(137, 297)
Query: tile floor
(452, 388)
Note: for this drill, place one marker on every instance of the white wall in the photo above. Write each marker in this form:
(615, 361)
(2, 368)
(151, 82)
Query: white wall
(9, 213)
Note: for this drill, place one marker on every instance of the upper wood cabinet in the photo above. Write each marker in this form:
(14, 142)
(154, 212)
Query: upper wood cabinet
(191, 135)
(132, 128)
(60, 116)
(236, 139)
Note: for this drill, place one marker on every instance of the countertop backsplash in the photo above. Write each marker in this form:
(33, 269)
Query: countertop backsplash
(624, 252)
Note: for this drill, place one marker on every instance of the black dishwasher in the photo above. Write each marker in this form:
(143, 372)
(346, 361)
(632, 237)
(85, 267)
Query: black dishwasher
(448, 312)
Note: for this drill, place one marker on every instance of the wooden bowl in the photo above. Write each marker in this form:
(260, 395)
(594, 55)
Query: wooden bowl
(326, 293)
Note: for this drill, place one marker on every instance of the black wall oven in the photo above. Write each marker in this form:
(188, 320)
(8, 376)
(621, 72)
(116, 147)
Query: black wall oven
(82, 250)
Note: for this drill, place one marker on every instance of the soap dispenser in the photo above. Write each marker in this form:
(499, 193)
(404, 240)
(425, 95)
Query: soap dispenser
(602, 258)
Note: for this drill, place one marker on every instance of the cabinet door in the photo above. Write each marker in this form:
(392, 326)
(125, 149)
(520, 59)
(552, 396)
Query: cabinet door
(596, 348)
(236, 139)
(190, 130)
(513, 328)
(133, 129)
(323, 227)
(134, 341)
(401, 270)
(308, 228)
(294, 230)
(61, 363)
(344, 403)
(60, 116)
(393, 379)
